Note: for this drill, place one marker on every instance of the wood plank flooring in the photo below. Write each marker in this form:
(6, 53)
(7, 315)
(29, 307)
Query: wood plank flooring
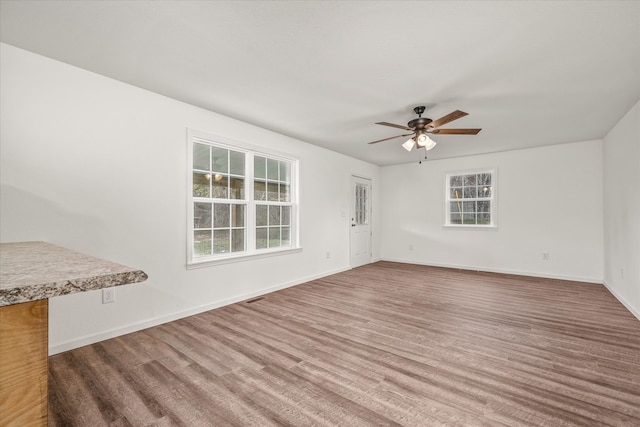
(386, 344)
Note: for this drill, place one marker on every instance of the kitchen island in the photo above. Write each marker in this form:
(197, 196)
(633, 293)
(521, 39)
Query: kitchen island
(30, 274)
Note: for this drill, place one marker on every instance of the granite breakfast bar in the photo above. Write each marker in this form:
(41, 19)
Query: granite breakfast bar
(30, 274)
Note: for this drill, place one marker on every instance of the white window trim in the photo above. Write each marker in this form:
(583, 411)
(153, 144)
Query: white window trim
(250, 253)
(494, 201)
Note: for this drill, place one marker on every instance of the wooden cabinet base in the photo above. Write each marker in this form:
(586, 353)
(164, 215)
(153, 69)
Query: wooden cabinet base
(23, 364)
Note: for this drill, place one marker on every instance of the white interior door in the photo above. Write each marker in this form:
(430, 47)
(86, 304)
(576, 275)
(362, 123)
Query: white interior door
(360, 221)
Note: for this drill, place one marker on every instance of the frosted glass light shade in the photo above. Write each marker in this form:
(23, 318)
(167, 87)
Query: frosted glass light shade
(409, 145)
(430, 144)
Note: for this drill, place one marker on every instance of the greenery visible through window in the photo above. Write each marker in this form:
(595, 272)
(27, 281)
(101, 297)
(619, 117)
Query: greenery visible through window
(470, 198)
(242, 201)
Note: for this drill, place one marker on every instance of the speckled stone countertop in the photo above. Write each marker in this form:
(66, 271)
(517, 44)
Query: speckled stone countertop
(31, 271)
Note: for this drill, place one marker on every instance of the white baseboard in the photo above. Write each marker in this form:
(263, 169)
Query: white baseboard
(624, 302)
(501, 270)
(138, 326)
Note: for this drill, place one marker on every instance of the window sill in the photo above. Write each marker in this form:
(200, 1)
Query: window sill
(470, 227)
(240, 258)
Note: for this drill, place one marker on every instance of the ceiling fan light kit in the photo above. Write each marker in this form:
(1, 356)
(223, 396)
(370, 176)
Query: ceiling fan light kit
(421, 140)
(423, 126)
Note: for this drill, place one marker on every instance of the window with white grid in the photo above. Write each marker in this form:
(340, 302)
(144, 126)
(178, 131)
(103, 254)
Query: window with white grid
(470, 199)
(242, 201)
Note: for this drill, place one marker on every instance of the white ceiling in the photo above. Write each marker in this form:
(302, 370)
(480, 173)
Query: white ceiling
(529, 73)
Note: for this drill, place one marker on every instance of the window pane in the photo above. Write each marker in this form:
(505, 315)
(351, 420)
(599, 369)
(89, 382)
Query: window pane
(455, 218)
(469, 206)
(360, 207)
(221, 242)
(484, 179)
(470, 192)
(286, 236)
(220, 186)
(237, 216)
(261, 215)
(469, 180)
(274, 215)
(201, 156)
(469, 218)
(484, 206)
(220, 161)
(274, 237)
(260, 167)
(272, 189)
(202, 215)
(484, 218)
(455, 207)
(286, 215)
(259, 190)
(455, 181)
(201, 183)
(455, 193)
(236, 163)
(237, 188)
(202, 243)
(484, 191)
(237, 240)
(221, 215)
(272, 169)
(284, 193)
(285, 172)
(261, 238)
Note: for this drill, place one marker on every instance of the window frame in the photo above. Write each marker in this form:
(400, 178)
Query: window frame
(493, 225)
(250, 152)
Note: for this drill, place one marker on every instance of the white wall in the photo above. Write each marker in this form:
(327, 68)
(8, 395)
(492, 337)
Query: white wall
(549, 200)
(99, 166)
(621, 151)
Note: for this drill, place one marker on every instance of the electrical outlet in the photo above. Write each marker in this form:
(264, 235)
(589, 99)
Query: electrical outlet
(622, 273)
(328, 255)
(410, 247)
(108, 295)
(545, 256)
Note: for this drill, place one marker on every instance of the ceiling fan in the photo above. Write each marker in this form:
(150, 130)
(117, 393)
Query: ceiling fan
(422, 126)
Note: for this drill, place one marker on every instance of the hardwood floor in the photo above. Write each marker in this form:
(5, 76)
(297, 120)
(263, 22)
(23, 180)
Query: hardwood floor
(383, 344)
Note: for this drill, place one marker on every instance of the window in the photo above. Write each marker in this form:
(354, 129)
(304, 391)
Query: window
(361, 203)
(242, 201)
(470, 199)
(272, 195)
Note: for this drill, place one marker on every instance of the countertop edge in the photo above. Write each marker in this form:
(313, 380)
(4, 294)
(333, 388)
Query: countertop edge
(22, 294)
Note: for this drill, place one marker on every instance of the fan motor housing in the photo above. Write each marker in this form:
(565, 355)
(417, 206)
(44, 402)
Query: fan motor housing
(419, 123)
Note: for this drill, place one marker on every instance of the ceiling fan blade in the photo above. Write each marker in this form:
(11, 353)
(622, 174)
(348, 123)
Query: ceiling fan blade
(393, 125)
(447, 119)
(456, 131)
(393, 137)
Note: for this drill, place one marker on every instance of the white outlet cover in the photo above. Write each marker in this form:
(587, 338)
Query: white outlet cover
(108, 295)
